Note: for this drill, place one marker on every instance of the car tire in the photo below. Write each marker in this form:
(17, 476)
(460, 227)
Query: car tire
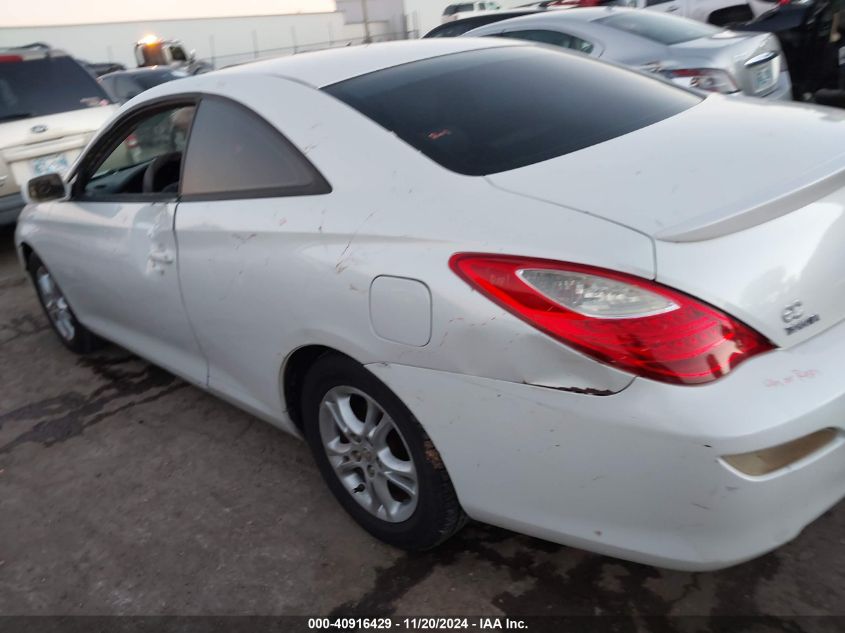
(75, 336)
(375, 456)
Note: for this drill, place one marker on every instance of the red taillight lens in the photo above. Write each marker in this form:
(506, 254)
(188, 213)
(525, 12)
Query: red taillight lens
(9, 59)
(631, 323)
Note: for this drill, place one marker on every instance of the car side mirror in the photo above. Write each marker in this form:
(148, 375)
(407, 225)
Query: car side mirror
(45, 188)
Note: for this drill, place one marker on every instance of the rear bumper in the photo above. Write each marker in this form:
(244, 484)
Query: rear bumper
(10, 208)
(638, 474)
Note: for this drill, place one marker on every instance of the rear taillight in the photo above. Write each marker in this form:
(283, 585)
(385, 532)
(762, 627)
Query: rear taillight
(711, 79)
(631, 323)
(10, 59)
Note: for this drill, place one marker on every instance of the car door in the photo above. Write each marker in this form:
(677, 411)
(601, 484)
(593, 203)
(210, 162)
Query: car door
(246, 191)
(112, 245)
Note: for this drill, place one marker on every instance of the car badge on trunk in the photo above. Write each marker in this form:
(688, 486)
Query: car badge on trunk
(38, 129)
(793, 316)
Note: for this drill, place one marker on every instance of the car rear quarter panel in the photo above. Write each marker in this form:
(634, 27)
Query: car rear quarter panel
(280, 273)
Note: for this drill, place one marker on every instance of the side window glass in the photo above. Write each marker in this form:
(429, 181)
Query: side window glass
(148, 158)
(582, 46)
(651, 3)
(234, 152)
(553, 38)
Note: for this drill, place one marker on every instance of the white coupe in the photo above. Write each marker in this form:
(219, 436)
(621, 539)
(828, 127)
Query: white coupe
(483, 279)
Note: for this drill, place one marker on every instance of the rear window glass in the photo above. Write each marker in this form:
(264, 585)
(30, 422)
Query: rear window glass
(459, 112)
(46, 86)
(659, 27)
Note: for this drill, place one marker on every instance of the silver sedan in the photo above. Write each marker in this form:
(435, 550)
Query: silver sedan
(687, 52)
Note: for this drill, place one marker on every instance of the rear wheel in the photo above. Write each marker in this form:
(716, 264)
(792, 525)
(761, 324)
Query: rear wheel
(75, 336)
(376, 458)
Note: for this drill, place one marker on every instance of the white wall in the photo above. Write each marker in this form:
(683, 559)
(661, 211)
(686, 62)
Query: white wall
(390, 11)
(227, 40)
(66, 12)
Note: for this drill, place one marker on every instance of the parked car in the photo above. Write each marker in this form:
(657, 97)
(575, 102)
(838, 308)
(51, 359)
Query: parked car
(127, 84)
(583, 303)
(98, 69)
(152, 50)
(685, 51)
(718, 12)
(50, 106)
(804, 29)
(462, 9)
(459, 27)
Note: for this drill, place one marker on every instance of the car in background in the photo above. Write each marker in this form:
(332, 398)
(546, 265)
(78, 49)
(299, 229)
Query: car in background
(50, 107)
(718, 12)
(152, 50)
(98, 69)
(458, 27)
(461, 9)
(127, 84)
(687, 52)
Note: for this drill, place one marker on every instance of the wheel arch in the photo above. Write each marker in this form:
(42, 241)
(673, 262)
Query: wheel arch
(293, 372)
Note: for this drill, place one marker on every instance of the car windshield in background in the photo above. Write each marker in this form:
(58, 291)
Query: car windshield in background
(457, 110)
(46, 86)
(150, 80)
(659, 27)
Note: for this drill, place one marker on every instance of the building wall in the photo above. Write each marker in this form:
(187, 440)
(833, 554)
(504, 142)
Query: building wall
(390, 11)
(226, 40)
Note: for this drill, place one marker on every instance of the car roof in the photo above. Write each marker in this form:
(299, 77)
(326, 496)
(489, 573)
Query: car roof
(144, 70)
(29, 52)
(323, 68)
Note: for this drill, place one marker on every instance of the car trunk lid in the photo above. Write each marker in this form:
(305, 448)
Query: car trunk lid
(745, 203)
(755, 58)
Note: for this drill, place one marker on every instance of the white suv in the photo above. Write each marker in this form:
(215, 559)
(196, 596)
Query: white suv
(50, 106)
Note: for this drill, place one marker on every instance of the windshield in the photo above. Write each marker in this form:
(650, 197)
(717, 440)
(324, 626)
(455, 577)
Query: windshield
(659, 27)
(46, 86)
(457, 110)
(150, 80)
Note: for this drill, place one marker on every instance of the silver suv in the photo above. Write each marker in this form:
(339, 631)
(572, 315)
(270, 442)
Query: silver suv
(50, 106)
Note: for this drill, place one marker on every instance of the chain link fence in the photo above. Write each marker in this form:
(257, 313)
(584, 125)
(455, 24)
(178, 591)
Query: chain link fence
(233, 59)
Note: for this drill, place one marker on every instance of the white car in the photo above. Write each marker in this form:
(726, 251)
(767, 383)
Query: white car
(581, 303)
(718, 12)
(463, 9)
(50, 107)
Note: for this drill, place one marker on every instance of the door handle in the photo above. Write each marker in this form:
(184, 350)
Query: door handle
(161, 257)
(671, 9)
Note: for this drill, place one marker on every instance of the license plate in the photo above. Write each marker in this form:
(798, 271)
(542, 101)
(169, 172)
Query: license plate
(56, 163)
(763, 77)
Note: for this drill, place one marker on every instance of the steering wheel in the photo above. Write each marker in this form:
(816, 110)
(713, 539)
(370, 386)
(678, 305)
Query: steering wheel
(162, 175)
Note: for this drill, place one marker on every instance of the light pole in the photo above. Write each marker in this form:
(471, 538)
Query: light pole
(365, 14)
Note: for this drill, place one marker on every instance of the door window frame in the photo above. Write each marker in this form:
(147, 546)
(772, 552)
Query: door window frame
(598, 45)
(318, 185)
(120, 129)
(110, 140)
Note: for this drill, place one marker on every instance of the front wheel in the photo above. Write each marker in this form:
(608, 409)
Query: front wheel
(75, 336)
(376, 458)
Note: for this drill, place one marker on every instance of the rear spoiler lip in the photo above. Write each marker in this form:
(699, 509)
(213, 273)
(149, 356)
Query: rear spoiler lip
(810, 186)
